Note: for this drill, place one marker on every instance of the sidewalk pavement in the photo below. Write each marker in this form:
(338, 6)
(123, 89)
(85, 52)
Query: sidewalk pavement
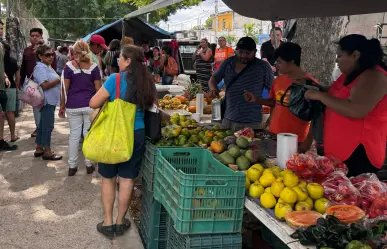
(40, 207)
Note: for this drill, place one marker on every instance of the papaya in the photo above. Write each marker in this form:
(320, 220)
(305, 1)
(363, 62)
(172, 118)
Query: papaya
(181, 98)
(218, 146)
(346, 213)
(302, 218)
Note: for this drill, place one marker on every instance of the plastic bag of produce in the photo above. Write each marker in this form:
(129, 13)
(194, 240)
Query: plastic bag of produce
(338, 164)
(246, 132)
(379, 204)
(302, 165)
(338, 189)
(378, 226)
(369, 187)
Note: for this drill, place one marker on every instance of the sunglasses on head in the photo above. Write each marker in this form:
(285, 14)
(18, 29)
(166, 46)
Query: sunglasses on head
(49, 54)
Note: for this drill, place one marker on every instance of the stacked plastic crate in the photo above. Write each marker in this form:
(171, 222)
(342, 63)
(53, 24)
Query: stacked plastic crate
(204, 199)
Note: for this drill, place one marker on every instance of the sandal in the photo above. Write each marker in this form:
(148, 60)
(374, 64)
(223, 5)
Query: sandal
(122, 228)
(4, 146)
(38, 154)
(52, 157)
(107, 231)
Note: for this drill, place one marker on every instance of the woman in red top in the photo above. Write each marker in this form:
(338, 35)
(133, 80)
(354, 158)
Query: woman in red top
(355, 125)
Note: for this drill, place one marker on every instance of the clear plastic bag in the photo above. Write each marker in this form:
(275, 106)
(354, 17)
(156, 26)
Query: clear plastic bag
(246, 132)
(338, 189)
(378, 226)
(369, 188)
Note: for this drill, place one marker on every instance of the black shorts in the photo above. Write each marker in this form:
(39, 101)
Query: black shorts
(359, 163)
(131, 168)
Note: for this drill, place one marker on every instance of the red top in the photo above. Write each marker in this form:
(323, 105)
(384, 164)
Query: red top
(29, 63)
(342, 135)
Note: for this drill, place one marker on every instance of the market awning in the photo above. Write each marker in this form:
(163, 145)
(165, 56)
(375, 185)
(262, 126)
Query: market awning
(134, 27)
(158, 4)
(287, 9)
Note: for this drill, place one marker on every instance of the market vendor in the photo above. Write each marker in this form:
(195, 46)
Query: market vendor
(281, 120)
(242, 72)
(355, 124)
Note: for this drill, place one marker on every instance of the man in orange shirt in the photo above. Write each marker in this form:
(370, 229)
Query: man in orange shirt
(288, 57)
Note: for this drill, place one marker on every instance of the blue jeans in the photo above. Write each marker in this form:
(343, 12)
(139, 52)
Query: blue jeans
(46, 126)
(37, 117)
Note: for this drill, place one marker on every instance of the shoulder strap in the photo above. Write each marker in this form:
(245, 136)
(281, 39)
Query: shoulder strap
(118, 85)
(238, 75)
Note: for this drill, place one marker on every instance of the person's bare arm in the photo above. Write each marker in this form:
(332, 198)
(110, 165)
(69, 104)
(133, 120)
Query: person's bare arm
(50, 84)
(305, 146)
(99, 98)
(207, 55)
(365, 95)
(97, 85)
(17, 79)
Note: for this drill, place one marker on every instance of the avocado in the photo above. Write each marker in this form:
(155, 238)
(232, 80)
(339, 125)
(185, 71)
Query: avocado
(242, 142)
(243, 163)
(226, 158)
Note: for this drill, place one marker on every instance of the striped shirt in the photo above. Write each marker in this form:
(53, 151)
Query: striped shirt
(255, 79)
(203, 71)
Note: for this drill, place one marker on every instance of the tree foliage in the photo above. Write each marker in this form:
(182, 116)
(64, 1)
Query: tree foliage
(100, 12)
(230, 38)
(208, 23)
(251, 30)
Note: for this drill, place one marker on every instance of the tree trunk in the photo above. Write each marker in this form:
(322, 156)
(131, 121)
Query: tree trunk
(317, 37)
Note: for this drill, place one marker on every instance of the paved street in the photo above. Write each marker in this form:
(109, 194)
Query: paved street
(40, 207)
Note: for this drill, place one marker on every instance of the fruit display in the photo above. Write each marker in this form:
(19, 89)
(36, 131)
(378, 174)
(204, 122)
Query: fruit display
(379, 230)
(283, 191)
(248, 133)
(371, 191)
(329, 232)
(193, 89)
(339, 190)
(346, 213)
(311, 167)
(238, 151)
(168, 102)
(302, 218)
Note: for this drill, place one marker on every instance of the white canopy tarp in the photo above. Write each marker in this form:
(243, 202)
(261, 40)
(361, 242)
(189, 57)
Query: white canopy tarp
(158, 4)
(273, 10)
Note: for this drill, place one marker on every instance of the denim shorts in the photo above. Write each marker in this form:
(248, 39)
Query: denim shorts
(131, 168)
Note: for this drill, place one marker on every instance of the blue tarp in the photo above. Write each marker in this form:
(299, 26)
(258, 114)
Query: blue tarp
(134, 27)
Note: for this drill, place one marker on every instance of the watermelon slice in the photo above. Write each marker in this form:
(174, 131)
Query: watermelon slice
(302, 218)
(346, 213)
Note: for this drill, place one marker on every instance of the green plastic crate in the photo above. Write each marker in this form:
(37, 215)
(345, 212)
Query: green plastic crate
(153, 221)
(201, 241)
(149, 161)
(200, 194)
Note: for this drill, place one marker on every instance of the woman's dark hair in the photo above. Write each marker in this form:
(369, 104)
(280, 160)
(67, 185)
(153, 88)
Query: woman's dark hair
(145, 94)
(157, 48)
(288, 52)
(166, 49)
(41, 50)
(115, 45)
(371, 54)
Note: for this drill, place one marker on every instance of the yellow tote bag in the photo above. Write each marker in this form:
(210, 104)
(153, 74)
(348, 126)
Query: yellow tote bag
(111, 136)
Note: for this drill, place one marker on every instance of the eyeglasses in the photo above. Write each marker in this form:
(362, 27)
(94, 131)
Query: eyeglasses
(118, 60)
(49, 54)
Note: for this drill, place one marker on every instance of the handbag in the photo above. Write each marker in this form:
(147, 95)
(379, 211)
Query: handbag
(32, 93)
(223, 104)
(110, 139)
(152, 121)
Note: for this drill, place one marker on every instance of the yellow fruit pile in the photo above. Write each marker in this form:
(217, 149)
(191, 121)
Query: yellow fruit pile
(283, 191)
(172, 103)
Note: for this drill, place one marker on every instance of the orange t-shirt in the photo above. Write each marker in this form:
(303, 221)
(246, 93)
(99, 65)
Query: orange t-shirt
(222, 54)
(282, 120)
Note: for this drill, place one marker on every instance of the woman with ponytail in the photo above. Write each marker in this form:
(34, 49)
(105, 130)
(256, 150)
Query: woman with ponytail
(137, 87)
(355, 125)
(81, 81)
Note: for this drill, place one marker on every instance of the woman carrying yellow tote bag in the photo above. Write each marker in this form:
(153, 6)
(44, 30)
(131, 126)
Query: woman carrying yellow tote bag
(136, 87)
(111, 136)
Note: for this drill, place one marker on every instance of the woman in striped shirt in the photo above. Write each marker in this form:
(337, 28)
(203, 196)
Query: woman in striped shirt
(203, 61)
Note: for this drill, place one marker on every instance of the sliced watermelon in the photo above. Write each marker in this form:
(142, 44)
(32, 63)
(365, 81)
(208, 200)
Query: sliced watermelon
(346, 213)
(302, 218)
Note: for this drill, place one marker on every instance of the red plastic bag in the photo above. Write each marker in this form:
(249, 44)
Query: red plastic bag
(338, 164)
(301, 165)
(369, 187)
(338, 189)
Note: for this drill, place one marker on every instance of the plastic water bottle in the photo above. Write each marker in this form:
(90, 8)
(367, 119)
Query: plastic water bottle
(216, 110)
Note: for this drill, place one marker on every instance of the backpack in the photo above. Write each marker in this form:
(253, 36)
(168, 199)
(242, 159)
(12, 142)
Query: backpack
(171, 67)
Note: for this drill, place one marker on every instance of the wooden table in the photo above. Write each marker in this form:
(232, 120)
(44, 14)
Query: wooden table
(280, 229)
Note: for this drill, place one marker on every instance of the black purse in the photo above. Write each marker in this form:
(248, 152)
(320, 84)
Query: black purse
(223, 103)
(3, 100)
(152, 121)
